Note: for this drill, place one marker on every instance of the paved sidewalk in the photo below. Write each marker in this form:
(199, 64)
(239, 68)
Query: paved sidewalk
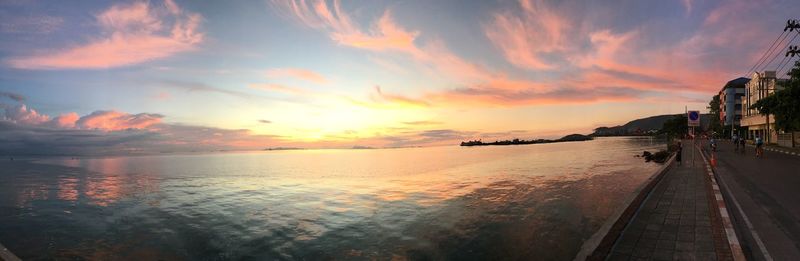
(675, 221)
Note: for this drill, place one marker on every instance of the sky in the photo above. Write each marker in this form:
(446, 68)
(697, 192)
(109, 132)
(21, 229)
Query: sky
(100, 77)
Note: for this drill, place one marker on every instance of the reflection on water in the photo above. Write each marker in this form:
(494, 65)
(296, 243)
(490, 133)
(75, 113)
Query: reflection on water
(512, 202)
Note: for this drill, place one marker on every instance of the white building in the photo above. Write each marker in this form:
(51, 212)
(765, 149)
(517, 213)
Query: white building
(761, 84)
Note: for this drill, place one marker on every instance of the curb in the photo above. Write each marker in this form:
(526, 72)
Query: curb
(7, 255)
(730, 232)
(772, 149)
(612, 231)
(781, 151)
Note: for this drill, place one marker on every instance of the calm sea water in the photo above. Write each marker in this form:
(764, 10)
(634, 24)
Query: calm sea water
(505, 202)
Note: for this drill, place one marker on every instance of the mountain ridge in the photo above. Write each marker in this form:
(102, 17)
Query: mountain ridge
(643, 126)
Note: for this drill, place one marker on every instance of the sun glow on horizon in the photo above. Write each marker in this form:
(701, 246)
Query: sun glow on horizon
(156, 76)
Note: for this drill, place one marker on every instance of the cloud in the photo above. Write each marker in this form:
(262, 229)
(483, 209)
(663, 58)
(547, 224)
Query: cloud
(65, 121)
(527, 38)
(133, 33)
(416, 123)
(114, 120)
(688, 5)
(384, 36)
(380, 98)
(13, 96)
(25, 131)
(301, 74)
(278, 88)
(498, 97)
(202, 87)
(264, 121)
(21, 114)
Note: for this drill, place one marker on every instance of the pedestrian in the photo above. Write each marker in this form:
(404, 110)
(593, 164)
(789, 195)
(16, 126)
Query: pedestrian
(679, 152)
(759, 146)
(741, 142)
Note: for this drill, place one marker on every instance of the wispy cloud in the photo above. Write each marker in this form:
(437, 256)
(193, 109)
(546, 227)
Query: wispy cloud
(202, 87)
(133, 33)
(500, 98)
(420, 123)
(278, 88)
(13, 96)
(527, 38)
(302, 74)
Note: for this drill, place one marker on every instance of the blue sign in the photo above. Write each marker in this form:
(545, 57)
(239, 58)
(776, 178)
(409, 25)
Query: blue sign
(694, 118)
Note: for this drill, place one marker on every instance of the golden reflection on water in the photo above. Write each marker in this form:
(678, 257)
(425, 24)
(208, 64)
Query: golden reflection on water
(68, 188)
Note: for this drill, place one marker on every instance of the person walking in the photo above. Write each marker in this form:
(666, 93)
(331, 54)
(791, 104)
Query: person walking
(759, 146)
(741, 142)
(735, 140)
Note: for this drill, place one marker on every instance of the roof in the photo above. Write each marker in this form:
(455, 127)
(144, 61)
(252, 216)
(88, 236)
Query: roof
(736, 83)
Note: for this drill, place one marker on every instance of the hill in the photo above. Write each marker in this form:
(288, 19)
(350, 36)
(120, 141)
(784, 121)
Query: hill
(644, 126)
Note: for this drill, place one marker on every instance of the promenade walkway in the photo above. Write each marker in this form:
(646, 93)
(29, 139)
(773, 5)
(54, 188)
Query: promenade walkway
(764, 194)
(678, 220)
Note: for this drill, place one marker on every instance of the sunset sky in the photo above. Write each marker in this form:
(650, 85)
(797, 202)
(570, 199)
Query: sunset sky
(98, 77)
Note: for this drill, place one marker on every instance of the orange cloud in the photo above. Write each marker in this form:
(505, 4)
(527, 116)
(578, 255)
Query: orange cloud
(66, 120)
(136, 34)
(302, 74)
(114, 120)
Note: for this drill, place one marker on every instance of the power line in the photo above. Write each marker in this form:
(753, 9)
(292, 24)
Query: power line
(787, 69)
(766, 53)
(782, 63)
(778, 53)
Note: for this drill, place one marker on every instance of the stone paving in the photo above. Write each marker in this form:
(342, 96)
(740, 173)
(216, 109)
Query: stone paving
(675, 221)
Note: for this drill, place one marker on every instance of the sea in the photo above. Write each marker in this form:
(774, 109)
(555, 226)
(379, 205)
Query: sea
(525, 202)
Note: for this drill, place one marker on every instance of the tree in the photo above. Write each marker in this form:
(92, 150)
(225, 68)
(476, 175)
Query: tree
(784, 104)
(713, 109)
(678, 126)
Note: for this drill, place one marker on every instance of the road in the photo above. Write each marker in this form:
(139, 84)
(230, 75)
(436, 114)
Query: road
(766, 192)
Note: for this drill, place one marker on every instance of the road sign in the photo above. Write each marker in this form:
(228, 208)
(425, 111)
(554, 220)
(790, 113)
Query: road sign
(694, 118)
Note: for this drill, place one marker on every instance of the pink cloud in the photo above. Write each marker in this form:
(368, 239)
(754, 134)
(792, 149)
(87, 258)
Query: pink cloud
(114, 120)
(66, 120)
(302, 74)
(386, 35)
(524, 39)
(137, 33)
(98, 120)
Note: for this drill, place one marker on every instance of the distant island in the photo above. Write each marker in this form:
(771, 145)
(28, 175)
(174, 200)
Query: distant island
(571, 137)
(643, 127)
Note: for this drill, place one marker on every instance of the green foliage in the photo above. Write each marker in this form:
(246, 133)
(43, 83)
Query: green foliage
(784, 104)
(676, 127)
(713, 109)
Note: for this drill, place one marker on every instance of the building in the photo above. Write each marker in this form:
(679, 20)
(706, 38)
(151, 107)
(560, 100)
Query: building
(762, 84)
(730, 104)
